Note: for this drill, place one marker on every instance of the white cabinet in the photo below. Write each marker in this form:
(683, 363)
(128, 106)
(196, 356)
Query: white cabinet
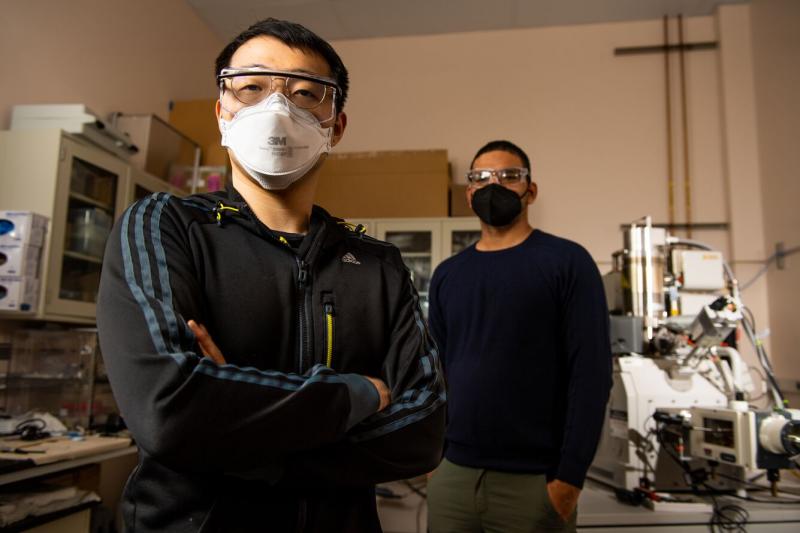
(82, 189)
(424, 243)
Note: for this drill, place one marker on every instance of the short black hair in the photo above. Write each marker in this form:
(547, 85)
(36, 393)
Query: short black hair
(295, 36)
(504, 146)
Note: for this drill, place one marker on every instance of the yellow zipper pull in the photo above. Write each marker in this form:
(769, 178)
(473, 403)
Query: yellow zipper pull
(329, 334)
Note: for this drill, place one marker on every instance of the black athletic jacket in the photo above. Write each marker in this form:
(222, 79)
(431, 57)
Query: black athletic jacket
(284, 436)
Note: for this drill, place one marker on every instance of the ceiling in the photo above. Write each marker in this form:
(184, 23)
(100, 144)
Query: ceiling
(357, 19)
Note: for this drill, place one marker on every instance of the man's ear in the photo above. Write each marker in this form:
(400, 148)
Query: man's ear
(338, 128)
(468, 192)
(533, 192)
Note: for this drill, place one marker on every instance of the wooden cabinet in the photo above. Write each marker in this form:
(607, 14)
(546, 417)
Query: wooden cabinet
(82, 189)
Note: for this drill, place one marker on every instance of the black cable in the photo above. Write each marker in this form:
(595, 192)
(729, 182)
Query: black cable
(724, 517)
(415, 490)
(756, 485)
(386, 492)
(757, 500)
(36, 422)
(418, 521)
(750, 315)
(763, 359)
(727, 517)
(31, 429)
(690, 477)
(749, 328)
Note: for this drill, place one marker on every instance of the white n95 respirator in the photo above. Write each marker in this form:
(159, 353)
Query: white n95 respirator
(275, 141)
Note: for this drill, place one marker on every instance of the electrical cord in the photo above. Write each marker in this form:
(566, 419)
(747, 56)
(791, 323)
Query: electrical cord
(765, 362)
(415, 490)
(724, 517)
(728, 516)
(758, 486)
(423, 497)
(418, 521)
(31, 429)
(750, 315)
(763, 379)
(770, 501)
(388, 493)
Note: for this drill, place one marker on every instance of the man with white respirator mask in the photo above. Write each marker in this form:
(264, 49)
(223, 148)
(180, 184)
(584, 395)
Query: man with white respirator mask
(269, 358)
(275, 140)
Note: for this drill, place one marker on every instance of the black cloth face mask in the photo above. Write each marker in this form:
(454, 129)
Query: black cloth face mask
(497, 205)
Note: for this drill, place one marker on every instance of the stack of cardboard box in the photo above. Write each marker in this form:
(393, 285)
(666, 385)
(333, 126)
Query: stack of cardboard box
(21, 240)
(409, 183)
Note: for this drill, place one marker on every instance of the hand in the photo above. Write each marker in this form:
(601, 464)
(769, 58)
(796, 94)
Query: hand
(564, 497)
(383, 392)
(207, 345)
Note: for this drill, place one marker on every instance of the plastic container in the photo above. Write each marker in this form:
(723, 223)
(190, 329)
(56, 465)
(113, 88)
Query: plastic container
(53, 371)
(89, 229)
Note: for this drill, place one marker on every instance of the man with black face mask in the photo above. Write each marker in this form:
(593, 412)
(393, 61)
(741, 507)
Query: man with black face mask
(521, 322)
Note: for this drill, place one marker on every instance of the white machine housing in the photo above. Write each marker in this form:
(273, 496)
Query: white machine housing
(641, 386)
(669, 350)
(724, 435)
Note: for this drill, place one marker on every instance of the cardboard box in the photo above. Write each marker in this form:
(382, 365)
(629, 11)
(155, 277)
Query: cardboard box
(164, 151)
(385, 184)
(196, 119)
(19, 260)
(458, 201)
(22, 227)
(18, 293)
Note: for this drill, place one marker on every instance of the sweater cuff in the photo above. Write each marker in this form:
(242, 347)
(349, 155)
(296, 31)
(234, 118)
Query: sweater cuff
(571, 472)
(364, 398)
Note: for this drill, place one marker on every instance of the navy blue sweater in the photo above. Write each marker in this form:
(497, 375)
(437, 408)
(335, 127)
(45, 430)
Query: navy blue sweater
(523, 334)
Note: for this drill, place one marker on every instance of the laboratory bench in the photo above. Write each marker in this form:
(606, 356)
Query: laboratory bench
(95, 463)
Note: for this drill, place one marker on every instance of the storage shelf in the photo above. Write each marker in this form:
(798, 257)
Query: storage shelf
(83, 257)
(43, 377)
(91, 201)
(415, 254)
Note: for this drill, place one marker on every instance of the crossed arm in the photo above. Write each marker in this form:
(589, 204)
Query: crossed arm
(212, 351)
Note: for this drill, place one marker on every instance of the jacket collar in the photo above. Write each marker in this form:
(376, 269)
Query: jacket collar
(323, 231)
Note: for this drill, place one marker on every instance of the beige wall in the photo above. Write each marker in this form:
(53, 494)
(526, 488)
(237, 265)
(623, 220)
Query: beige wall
(776, 51)
(113, 55)
(593, 123)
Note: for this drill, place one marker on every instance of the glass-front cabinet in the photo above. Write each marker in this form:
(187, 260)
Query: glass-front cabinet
(141, 184)
(81, 189)
(424, 243)
(420, 245)
(90, 189)
(458, 234)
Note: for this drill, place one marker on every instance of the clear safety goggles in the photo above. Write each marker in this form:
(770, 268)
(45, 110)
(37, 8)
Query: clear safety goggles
(505, 176)
(249, 86)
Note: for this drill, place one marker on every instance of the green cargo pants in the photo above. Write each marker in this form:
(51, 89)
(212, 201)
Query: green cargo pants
(475, 500)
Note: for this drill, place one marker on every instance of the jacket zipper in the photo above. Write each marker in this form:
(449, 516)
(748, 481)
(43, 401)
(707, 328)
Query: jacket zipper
(303, 295)
(329, 333)
(302, 304)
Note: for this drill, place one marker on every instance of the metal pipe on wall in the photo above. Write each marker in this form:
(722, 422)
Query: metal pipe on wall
(687, 189)
(668, 98)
